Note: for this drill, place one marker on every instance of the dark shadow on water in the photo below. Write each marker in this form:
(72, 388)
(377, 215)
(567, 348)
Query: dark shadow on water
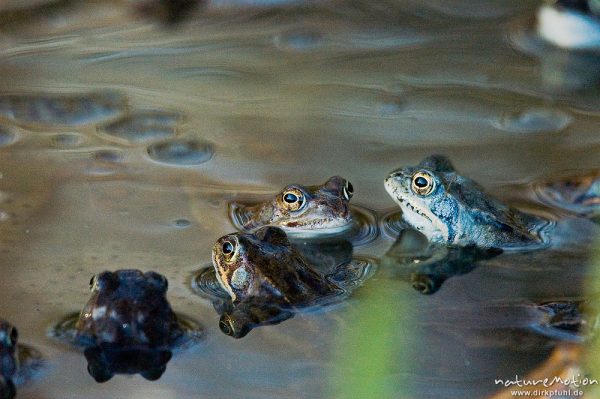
(427, 266)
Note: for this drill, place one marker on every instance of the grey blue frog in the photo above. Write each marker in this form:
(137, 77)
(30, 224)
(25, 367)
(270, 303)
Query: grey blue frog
(454, 210)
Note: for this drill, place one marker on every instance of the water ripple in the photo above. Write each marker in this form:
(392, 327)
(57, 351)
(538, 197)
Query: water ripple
(392, 223)
(364, 228)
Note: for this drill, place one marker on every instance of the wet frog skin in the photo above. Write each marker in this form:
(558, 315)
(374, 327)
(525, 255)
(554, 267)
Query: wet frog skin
(303, 210)
(454, 210)
(265, 264)
(266, 279)
(127, 325)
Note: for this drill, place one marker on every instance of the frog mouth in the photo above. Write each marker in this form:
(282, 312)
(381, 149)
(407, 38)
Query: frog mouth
(244, 218)
(401, 195)
(320, 225)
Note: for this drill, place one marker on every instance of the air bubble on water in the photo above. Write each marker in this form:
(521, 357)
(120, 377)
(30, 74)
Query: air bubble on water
(534, 120)
(181, 152)
(181, 223)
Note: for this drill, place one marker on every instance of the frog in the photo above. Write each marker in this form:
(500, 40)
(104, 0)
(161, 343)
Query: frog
(18, 362)
(128, 326)
(301, 211)
(578, 194)
(454, 210)
(265, 263)
(261, 278)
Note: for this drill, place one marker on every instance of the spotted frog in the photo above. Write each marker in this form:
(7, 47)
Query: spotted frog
(265, 264)
(127, 326)
(261, 278)
(302, 211)
(454, 210)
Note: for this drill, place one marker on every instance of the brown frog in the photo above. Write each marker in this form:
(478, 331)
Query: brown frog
(265, 264)
(267, 280)
(127, 326)
(302, 211)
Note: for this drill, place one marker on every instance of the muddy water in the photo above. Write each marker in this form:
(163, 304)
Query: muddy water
(123, 140)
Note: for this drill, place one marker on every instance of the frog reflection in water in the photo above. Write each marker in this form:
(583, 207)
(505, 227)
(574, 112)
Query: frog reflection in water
(454, 210)
(302, 211)
(17, 362)
(427, 266)
(128, 326)
(261, 278)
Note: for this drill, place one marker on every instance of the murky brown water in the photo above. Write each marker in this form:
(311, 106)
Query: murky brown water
(122, 142)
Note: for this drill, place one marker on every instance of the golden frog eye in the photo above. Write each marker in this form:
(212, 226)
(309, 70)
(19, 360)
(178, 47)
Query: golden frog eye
(422, 183)
(229, 249)
(293, 199)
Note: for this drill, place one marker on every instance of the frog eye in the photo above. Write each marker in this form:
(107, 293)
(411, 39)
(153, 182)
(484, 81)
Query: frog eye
(228, 248)
(422, 183)
(293, 199)
(92, 282)
(348, 191)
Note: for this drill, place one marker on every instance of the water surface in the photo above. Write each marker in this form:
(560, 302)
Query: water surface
(123, 141)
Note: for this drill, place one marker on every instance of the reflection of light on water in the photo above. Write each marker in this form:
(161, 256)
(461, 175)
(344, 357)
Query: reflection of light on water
(572, 30)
